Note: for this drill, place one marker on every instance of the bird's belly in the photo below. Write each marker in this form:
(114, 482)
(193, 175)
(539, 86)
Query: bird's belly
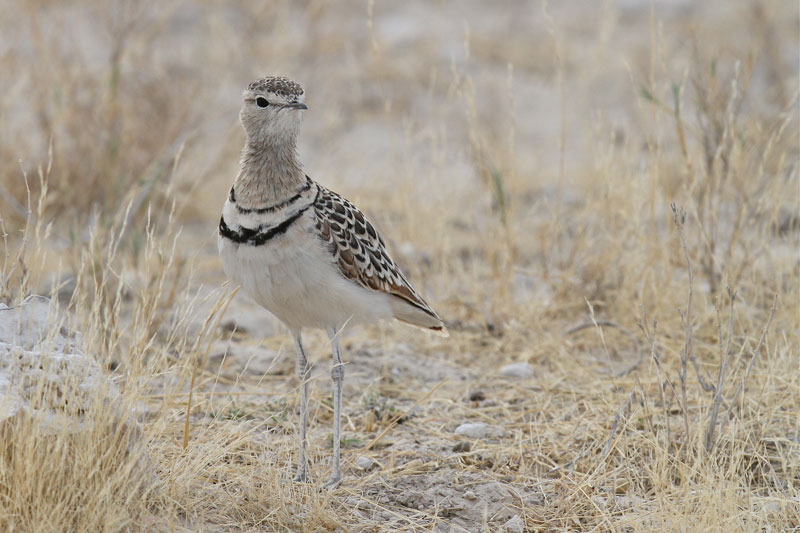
(299, 284)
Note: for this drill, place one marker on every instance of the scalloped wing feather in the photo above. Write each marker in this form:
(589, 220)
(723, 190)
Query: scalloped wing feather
(362, 257)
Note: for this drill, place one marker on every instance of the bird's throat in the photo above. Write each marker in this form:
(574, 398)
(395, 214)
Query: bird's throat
(269, 173)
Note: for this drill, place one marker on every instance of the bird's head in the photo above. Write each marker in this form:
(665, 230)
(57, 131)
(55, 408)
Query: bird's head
(271, 111)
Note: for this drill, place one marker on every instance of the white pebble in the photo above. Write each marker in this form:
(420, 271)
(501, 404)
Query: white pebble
(478, 430)
(772, 506)
(600, 502)
(517, 370)
(357, 504)
(627, 502)
(364, 463)
(515, 524)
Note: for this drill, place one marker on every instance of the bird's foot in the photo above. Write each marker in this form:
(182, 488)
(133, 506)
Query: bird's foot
(333, 481)
(300, 476)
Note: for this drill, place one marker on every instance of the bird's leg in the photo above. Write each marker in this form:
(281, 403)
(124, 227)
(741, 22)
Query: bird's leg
(337, 375)
(302, 373)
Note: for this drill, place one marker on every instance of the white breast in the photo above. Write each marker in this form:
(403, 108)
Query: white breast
(294, 277)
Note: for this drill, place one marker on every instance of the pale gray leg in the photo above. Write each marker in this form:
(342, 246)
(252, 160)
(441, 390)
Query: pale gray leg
(337, 374)
(302, 373)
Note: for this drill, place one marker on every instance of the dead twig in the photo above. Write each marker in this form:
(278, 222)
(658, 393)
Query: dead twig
(723, 366)
(679, 218)
(7, 273)
(614, 425)
(706, 386)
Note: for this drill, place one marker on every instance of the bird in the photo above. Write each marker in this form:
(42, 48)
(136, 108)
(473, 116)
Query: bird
(304, 253)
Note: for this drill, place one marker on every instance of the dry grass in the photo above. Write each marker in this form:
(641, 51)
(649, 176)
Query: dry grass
(531, 155)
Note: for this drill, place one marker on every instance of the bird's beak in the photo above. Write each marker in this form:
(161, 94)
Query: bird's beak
(297, 105)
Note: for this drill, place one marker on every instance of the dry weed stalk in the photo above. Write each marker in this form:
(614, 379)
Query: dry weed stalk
(723, 366)
(679, 219)
(663, 378)
(724, 344)
(8, 271)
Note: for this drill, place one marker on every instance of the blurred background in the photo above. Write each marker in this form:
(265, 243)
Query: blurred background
(489, 122)
(520, 158)
(422, 95)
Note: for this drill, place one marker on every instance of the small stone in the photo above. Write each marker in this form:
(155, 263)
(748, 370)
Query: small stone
(357, 503)
(621, 486)
(469, 495)
(362, 504)
(476, 395)
(600, 502)
(517, 370)
(630, 502)
(364, 463)
(477, 430)
(515, 524)
(772, 506)
(461, 447)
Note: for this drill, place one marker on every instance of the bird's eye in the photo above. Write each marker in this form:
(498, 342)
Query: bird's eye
(261, 102)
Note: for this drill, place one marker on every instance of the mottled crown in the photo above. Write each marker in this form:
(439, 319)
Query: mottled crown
(278, 85)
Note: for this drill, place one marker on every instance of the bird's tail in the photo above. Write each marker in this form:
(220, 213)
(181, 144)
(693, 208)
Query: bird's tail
(419, 317)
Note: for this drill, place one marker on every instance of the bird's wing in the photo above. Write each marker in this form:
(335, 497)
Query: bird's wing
(361, 254)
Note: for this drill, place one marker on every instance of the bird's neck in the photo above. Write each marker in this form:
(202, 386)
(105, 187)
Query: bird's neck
(268, 173)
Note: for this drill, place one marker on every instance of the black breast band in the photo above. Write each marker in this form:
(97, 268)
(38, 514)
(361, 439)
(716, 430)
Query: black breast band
(260, 235)
(271, 208)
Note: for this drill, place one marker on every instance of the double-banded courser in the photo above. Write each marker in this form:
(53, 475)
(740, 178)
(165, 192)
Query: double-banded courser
(303, 252)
